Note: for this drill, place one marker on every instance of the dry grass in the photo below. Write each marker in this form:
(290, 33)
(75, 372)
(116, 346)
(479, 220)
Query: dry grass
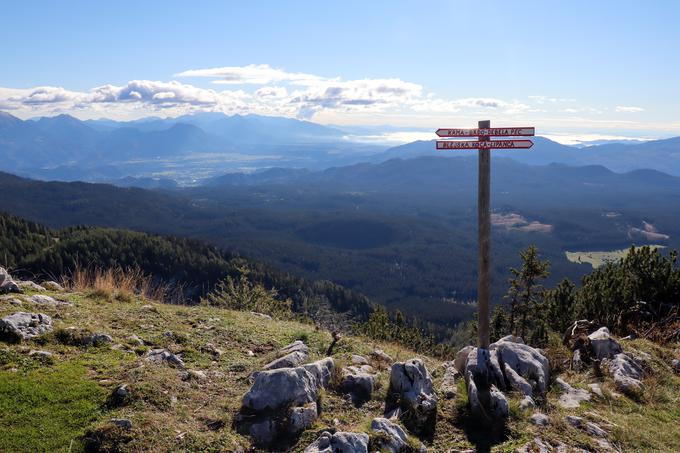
(120, 284)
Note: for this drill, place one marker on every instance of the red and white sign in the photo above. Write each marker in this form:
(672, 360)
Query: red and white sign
(486, 144)
(491, 132)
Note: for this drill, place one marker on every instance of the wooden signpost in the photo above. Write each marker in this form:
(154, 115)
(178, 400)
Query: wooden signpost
(484, 144)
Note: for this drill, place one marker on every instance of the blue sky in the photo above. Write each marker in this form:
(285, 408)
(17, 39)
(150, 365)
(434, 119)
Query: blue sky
(573, 68)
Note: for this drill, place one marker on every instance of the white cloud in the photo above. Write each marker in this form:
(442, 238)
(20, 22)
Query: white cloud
(262, 89)
(456, 105)
(153, 92)
(271, 92)
(365, 94)
(628, 109)
(548, 99)
(258, 74)
(15, 98)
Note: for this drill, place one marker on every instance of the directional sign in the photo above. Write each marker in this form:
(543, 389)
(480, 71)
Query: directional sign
(490, 132)
(487, 144)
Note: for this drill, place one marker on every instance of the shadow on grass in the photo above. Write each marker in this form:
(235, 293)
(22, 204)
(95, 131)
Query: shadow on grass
(483, 433)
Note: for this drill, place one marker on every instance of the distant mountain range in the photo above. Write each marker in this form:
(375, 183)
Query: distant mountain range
(197, 147)
(458, 174)
(662, 155)
(183, 148)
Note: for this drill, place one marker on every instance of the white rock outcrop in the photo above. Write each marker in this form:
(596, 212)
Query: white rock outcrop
(340, 442)
(161, 356)
(626, 373)
(571, 397)
(358, 381)
(290, 356)
(7, 284)
(392, 437)
(411, 396)
(507, 362)
(603, 345)
(23, 326)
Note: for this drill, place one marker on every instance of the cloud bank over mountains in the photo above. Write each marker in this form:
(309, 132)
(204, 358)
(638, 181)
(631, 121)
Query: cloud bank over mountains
(265, 90)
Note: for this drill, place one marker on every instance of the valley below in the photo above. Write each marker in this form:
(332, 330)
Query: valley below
(402, 232)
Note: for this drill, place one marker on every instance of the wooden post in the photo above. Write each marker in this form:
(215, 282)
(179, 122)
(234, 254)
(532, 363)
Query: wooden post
(484, 235)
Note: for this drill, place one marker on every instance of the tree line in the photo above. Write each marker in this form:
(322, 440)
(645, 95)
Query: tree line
(629, 296)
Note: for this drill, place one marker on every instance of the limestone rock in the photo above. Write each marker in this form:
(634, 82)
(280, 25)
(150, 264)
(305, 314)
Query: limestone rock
(526, 368)
(281, 404)
(493, 406)
(603, 345)
(596, 389)
(291, 360)
(340, 442)
(7, 284)
(675, 364)
(282, 387)
(576, 361)
(212, 350)
(289, 356)
(263, 432)
(589, 427)
(44, 357)
(381, 356)
(120, 395)
(302, 417)
(297, 345)
(507, 361)
(11, 300)
(537, 445)
(359, 360)
(571, 397)
(460, 361)
(100, 338)
(358, 382)
(480, 375)
(28, 284)
(22, 326)
(511, 339)
(193, 375)
(161, 356)
(540, 419)
(449, 388)
(261, 315)
(527, 403)
(411, 392)
(134, 339)
(393, 438)
(41, 299)
(322, 370)
(52, 286)
(627, 374)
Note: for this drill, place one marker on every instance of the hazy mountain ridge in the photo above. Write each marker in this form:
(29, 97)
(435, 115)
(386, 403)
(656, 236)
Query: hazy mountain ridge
(191, 148)
(662, 155)
(65, 148)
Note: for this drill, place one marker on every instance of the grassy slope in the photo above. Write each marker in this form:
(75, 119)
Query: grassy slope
(48, 405)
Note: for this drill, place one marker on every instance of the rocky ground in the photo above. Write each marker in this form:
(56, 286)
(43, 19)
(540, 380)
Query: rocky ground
(112, 372)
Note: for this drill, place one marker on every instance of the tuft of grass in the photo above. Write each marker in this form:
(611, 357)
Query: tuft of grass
(116, 283)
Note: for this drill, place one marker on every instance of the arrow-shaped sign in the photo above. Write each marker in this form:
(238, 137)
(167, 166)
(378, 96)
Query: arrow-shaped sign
(491, 132)
(488, 144)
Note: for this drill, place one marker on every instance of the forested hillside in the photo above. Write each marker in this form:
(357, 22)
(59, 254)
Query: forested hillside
(192, 266)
